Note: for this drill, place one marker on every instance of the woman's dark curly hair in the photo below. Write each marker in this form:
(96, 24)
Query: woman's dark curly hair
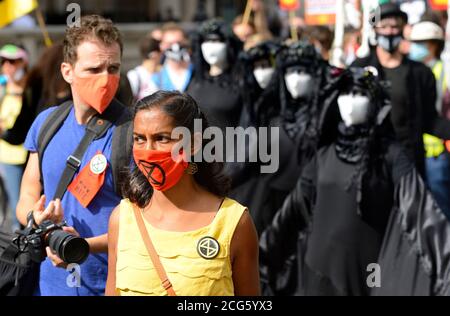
(183, 109)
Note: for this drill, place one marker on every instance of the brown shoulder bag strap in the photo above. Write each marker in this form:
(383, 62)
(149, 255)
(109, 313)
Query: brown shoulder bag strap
(153, 254)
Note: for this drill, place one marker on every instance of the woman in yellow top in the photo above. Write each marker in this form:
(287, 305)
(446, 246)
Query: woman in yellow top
(206, 243)
(14, 60)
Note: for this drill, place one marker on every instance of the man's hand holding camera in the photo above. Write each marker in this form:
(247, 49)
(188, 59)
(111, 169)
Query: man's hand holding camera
(54, 213)
(57, 261)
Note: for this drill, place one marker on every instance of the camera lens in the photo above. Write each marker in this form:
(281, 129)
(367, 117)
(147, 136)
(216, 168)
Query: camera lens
(69, 248)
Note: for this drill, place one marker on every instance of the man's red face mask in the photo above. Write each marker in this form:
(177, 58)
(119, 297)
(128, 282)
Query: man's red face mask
(97, 91)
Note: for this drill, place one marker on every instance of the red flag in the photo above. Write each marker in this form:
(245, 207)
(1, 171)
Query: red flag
(289, 5)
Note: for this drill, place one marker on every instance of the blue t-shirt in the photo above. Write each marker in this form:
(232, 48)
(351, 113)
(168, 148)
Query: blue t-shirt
(163, 81)
(88, 222)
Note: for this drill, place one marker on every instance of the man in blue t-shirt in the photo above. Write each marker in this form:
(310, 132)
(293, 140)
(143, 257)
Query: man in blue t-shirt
(176, 72)
(92, 60)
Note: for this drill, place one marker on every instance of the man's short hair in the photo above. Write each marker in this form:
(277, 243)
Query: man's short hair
(322, 34)
(172, 27)
(92, 27)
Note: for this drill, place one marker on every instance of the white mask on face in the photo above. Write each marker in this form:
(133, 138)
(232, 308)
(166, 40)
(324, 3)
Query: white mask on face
(299, 84)
(354, 109)
(19, 74)
(263, 76)
(214, 53)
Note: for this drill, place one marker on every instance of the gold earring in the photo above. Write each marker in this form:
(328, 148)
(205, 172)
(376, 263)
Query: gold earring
(192, 168)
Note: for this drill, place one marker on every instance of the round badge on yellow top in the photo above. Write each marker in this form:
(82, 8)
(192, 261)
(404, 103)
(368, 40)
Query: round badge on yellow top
(208, 248)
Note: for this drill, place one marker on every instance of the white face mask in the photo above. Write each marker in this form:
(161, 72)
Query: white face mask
(263, 76)
(299, 84)
(214, 52)
(354, 109)
(19, 74)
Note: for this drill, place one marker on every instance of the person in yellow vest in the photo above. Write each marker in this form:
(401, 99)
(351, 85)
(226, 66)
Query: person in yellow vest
(427, 43)
(205, 242)
(14, 60)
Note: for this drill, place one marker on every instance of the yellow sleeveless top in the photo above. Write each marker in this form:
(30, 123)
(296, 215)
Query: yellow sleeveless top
(189, 272)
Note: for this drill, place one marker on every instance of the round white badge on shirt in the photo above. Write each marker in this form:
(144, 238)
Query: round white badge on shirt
(98, 164)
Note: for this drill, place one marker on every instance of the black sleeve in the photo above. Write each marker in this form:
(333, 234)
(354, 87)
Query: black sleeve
(399, 162)
(240, 172)
(279, 239)
(415, 255)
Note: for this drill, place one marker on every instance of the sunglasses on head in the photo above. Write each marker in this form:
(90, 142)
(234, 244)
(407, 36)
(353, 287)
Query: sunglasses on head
(11, 61)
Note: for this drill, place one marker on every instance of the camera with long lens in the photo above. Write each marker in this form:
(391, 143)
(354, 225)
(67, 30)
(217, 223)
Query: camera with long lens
(70, 248)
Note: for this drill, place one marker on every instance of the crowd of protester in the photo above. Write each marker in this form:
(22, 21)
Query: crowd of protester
(363, 171)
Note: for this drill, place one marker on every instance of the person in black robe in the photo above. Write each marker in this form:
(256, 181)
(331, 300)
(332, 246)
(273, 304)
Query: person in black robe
(360, 219)
(259, 90)
(289, 103)
(301, 74)
(215, 84)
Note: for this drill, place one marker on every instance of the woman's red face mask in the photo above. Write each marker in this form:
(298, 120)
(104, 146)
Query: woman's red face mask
(161, 170)
(152, 150)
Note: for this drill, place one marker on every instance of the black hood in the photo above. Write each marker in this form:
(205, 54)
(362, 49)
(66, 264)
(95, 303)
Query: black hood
(266, 50)
(214, 30)
(301, 54)
(353, 79)
(263, 51)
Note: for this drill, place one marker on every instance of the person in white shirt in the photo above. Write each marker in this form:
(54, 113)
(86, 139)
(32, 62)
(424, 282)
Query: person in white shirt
(140, 78)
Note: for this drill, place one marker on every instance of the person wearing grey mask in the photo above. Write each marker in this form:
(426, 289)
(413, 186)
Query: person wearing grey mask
(177, 70)
(411, 85)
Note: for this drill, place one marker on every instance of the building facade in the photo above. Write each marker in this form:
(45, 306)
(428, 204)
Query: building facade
(135, 11)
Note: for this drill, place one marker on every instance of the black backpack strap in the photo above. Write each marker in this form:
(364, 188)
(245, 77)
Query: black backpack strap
(95, 129)
(123, 139)
(49, 128)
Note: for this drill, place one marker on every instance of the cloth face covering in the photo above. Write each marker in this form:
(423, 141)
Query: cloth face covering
(160, 169)
(418, 51)
(97, 90)
(354, 109)
(389, 43)
(263, 76)
(177, 53)
(214, 52)
(299, 84)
